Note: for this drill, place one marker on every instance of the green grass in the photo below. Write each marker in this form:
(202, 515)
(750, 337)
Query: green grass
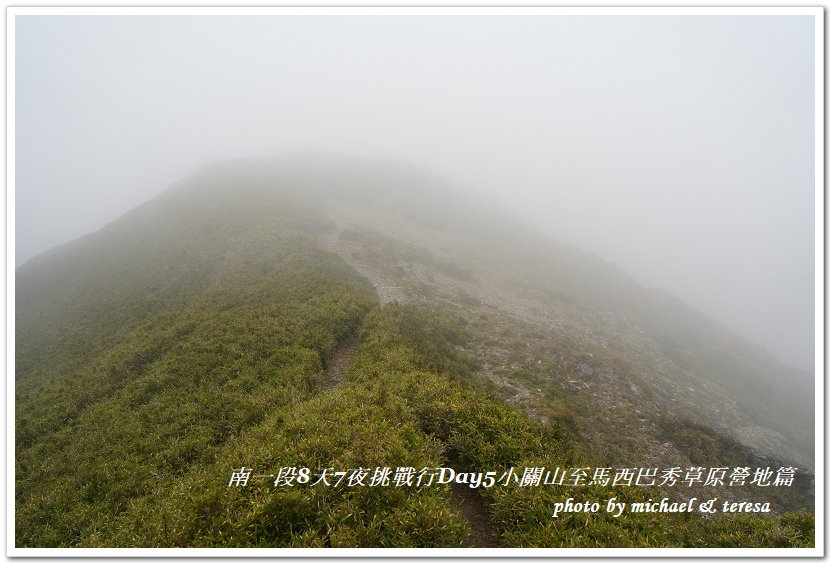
(155, 358)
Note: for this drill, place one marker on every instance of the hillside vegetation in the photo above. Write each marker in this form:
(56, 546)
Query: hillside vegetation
(192, 337)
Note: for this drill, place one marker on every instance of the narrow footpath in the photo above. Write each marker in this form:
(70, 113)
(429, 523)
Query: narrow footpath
(338, 364)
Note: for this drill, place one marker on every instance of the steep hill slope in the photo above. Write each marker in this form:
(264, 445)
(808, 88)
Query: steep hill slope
(199, 333)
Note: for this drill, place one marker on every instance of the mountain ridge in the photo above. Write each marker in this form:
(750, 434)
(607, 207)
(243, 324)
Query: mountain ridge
(260, 267)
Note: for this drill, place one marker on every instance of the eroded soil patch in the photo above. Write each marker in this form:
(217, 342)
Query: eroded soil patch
(339, 362)
(474, 510)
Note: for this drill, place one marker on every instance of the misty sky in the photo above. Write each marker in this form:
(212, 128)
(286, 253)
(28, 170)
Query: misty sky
(681, 148)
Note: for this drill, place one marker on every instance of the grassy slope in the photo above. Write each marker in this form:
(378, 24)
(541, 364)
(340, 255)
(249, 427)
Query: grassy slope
(154, 355)
(402, 403)
(189, 338)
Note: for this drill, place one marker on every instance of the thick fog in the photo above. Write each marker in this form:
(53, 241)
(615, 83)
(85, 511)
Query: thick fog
(680, 148)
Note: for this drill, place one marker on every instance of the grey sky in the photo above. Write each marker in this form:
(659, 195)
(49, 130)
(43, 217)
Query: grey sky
(681, 148)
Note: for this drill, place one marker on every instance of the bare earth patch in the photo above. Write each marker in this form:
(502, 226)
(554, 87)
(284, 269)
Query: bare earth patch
(339, 362)
(474, 510)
